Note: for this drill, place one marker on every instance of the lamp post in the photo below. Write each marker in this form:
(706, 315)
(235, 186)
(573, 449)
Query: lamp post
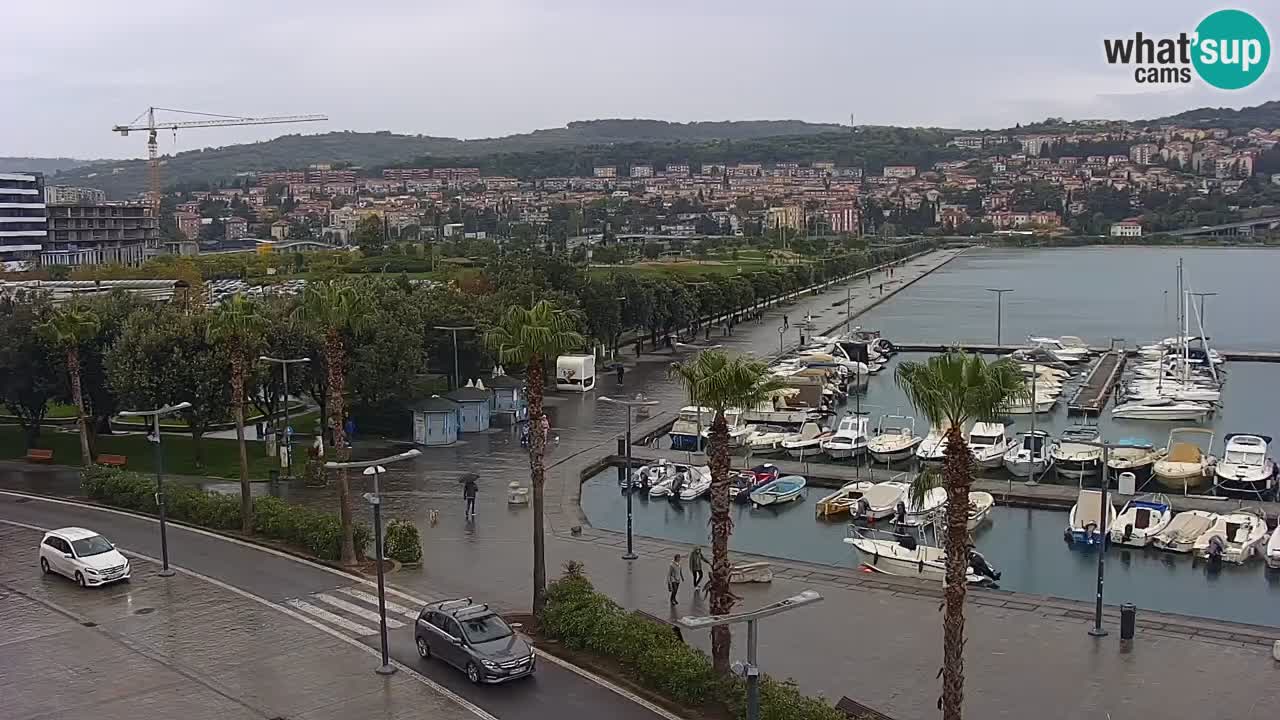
(628, 404)
(375, 468)
(288, 436)
(1097, 630)
(155, 416)
(751, 669)
(1202, 296)
(999, 308)
(453, 330)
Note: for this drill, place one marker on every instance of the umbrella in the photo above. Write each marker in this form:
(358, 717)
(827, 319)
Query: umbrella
(468, 476)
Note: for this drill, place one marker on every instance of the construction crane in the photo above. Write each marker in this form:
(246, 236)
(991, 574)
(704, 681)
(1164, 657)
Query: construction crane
(153, 151)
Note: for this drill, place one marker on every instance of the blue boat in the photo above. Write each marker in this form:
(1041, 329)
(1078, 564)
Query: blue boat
(1086, 526)
(777, 492)
(685, 434)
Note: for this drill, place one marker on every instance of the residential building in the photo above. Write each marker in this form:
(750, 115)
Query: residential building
(900, 171)
(279, 230)
(605, 171)
(1144, 153)
(970, 142)
(23, 224)
(1127, 228)
(1036, 145)
(844, 219)
(188, 223)
(71, 195)
(678, 170)
(641, 171)
(235, 228)
(100, 233)
(789, 216)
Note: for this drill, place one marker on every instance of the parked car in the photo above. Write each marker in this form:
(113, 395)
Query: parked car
(84, 556)
(474, 639)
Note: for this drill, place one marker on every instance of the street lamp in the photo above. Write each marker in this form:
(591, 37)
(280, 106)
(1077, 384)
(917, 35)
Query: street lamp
(1097, 630)
(288, 436)
(999, 308)
(752, 671)
(1202, 296)
(155, 415)
(628, 404)
(453, 330)
(374, 468)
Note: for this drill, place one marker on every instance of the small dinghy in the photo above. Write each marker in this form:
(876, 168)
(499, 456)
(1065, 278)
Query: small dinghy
(747, 481)
(980, 506)
(677, 479)
(1084, 527)
(1183, 531)
(881, 500)
(843, 500)
(901, 554)
(696, 486)
(1141, 520)
(778, 492)
(1234, 537)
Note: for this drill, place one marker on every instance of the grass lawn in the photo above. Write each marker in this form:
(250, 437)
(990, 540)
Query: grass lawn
(222, 458)
(685, 269)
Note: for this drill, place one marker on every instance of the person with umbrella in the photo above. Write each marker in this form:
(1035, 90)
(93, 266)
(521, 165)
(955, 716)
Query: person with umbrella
(469, 491)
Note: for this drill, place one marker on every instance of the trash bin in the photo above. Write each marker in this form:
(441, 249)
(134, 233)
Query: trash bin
(1127, 483)
(1128, 620)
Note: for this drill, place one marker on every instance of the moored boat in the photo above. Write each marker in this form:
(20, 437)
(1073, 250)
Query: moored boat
(881, 500)
(933, 446)
(1084, 525)
(980, 505)
(901, 554)
(1141, 520)
(780, 491)
(988, 442)
(808, 442)
(1188, 462)
(930, 506)
(1030, 454)
(1134, 456)
(1245, 469)
(685, 434)
(843, 500)
(677, 478)
(1182, 532)
(1234, 537)
(1074, 457)
(895, 440)
(1273, 550)
(850, 438)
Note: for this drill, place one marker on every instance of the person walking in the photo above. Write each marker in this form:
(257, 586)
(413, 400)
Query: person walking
(695, 566)
(621, 371)
(786, 323)
(675, 574)
(638, 348)
(469, 490)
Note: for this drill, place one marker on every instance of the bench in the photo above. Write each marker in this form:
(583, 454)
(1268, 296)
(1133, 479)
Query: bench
(116, 461)
(39, 455)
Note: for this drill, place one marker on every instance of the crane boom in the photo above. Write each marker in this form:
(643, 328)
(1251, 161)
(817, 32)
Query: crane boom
(229, 122)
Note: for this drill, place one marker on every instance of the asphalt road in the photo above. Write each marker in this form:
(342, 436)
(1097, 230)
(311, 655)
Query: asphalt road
(555, 692)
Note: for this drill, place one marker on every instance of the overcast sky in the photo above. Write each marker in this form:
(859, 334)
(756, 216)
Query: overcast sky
(69, 70)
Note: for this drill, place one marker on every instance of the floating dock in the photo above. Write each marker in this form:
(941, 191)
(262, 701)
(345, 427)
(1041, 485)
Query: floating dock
(1092, 395)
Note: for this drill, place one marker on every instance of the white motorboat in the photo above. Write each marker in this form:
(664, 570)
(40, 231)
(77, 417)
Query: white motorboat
(765, 441)
(1072, 457)
(808, 442)
(1245, 470)
(776, 410)
(1188, 462)
(1043, 403)
(1234, 537)
(901, 554)
(646, 476)
(881, 500)
(1065, 353)
(1182, 532)
(980, 505)
(1135, 456)
(843, 500)
(1141, 520)
(1273, 550)
(895, 440)
(1040, 357)
(777, 492)
(1174, 391)
(676, 478)
(1084, 525)
(931, 506)
(1161, 408)
(695, 486)
(933, 446)
(739, 430)
(1030, 454)
(988, 442)
(850, 438)
(685, 434)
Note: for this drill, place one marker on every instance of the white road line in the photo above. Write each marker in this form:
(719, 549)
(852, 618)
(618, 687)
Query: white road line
(356, 609)
(373, 600)
(621, 691)
(326, 616)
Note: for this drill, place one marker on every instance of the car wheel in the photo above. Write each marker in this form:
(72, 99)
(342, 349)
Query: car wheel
(473, 673)
(44, 566)
(424, 650)
(80, 579)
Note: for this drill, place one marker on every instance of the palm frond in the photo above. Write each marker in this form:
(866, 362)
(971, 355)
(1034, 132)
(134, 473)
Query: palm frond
(69, 326)
(544, 330)
(716, 381)
(924, 481)
(953, 388)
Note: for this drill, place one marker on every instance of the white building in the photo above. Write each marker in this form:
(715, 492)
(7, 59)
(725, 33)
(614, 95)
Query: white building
(1126, 229)
(605, 171)
(899, 171)
(641, 171)
(24, 226)
(70, 195)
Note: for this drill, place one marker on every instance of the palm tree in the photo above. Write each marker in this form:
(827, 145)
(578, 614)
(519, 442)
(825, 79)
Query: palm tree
(717, 382)
(950, 390)
(529, 336)
(68, 328)
(241, 326)
(336, 309)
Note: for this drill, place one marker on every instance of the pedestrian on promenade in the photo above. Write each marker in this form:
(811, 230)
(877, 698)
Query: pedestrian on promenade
(786, 323)
(695, 566)
(675, 574)
(469, 491)
(621, 371)
(638, 341)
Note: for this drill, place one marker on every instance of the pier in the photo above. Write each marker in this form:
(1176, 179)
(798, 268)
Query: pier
(1093, 393)
(984, 349)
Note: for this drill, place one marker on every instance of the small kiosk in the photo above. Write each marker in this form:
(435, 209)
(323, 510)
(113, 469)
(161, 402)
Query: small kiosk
(473, 407)
(509, 404)
(435, 421)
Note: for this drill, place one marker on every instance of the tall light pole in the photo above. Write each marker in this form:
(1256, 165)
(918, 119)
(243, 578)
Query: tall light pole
(1097, 630)
(1202, 296)
(628, 404)
(155, 416)
(999, 308)
(374, 468)
(284, 364)
(453, 329)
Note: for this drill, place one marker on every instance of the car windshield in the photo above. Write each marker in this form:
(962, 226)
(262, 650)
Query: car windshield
(485, 629)
(95, 545)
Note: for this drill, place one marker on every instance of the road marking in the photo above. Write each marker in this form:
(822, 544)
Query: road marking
(356, 609)
(331, 618)
(372, 652)
(373, 600)
(618, 689)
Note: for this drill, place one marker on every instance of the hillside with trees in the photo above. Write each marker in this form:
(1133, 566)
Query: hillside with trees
(1266, 115)
(47, 166)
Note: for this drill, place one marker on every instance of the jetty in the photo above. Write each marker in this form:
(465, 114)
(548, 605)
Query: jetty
(1096, 389)
(982, 349)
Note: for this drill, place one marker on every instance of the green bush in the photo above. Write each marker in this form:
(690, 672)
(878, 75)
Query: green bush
(582, 619)
(402, 542)
(318, 533)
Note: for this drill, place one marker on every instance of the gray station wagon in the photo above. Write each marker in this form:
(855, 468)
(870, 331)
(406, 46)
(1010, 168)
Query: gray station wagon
(474, 639)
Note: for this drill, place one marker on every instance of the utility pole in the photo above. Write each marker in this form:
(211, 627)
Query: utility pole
(457, 382)
(284, 364)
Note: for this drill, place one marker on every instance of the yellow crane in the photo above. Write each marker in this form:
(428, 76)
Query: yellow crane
(214, 120)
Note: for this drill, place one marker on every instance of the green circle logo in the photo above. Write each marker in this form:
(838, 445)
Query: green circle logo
(1231, 50)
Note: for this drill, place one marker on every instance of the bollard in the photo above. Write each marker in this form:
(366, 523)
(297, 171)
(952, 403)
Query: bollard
(1128, 620)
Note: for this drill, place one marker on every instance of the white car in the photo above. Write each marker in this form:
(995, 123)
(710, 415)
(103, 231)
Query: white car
(84, 556)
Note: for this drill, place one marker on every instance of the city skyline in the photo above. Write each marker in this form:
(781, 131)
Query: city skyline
(493, 72)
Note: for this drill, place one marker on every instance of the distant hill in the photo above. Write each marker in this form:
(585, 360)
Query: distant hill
(1266, 115)
(219, 165)
(47, 166)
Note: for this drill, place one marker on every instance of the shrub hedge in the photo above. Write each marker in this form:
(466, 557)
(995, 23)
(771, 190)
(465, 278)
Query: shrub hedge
(585, 620)
(402, 542)
(318, 533)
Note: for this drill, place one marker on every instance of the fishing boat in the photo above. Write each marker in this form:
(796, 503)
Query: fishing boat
(1188, 463)
(1273, 550)
(677, 478)
(1031, 454)
(895, 440)
(933, 446)
(685, 434)
(1084, 526)
(695, 486)
(988, 442)
(1183, 531)
(980, 505)
(881, 500)
(1073, 457)
(930, 506)
(778, 492)
(1141, 520)
(843, 500)
(903, 555)
(1234, 537)
(850, 438)
(1135, 456)
(808, 442)
(1245, 470)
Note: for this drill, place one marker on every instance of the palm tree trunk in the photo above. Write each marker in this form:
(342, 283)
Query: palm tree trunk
(957, 476)
(537, 478)
(237, 403)
(77, 399)
(334, 356)
(722, 598)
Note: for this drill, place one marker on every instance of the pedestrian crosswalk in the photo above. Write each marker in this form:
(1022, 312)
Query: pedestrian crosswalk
(353, 610)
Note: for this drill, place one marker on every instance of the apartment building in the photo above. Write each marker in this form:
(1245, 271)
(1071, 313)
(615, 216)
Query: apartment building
(1127, 228)
(900, 171)
(969, 142)
(71, 195)
(789, 216)
(1144, 153)
(235, 228)
(100, 233)
(641, 171)
(23, 224)
(188, 223)
(605, 171)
